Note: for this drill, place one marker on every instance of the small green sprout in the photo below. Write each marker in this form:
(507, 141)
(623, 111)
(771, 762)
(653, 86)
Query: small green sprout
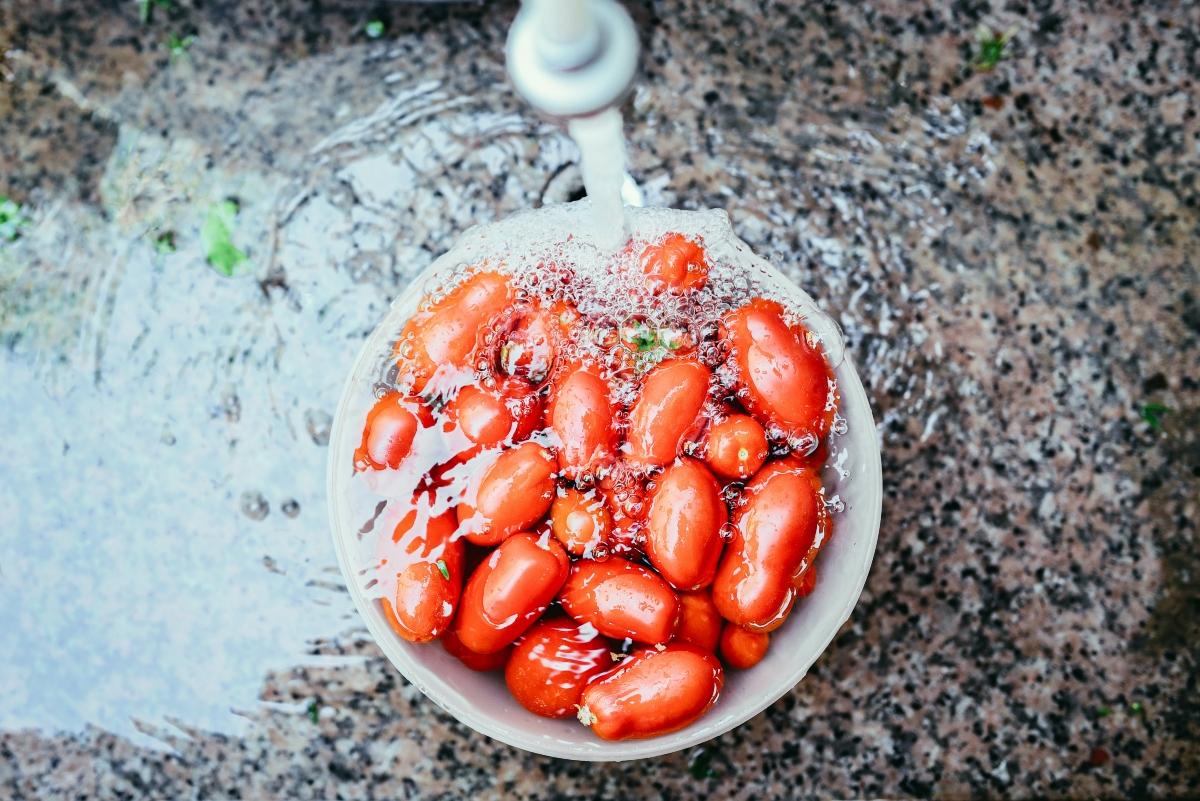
(313, 710)
(217, 238)
(1152, 412)
(12, 219)
(146, 8)
(179, 45)
(445, 571)
(993, 48)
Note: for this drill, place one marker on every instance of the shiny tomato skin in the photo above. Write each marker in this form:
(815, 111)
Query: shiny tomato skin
(507, 412)
(676, 264)
(742, 648)
(683, 528)
(774, 539)
(553, 662)
(783, 380)
(736, 447)
(475, 661)
(531, 347)
(806, 582)
(671, 398)
(421, 600)
(621, 599)
(580, 520)
(509, 591)
(699, 621)
(652, 692)
(440, 342)
(391, 425)
(512, 494)
(581, 415)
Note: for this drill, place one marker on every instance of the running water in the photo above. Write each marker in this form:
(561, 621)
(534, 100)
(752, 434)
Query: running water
(601, 145)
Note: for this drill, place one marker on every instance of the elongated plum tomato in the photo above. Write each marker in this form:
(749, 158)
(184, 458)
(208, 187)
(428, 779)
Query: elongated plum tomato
(421, 568)
(742, 648)
(699, 622)
(389, 431)
(774, 540)
(675, 264)
(508, 411)
(443, 338)
(509, 591)
(579, 520)
(531, 346)
(652, 692)
(581, 415)
(513, 493)
(683, 529)
(621, 599)
(671, 398)
(786, 381)
(736, 447)
(478, 662)
(552, 664)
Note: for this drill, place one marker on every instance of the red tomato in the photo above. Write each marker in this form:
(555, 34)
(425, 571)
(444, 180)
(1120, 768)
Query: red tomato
(675, 264)
(774, 540)
(388, 434)
(621, 599)
(552, 664)
(806, 582)
(532, 344)
(784, 380)
(736, 447)
(473, 660)
(507, 412)
(683, 529)
(440, 342)
(512, 494)
(699, 622)
(581, 415)
(742, 648)
(580, 521)
(624, 492)
(421, 570)
(652, 692)
(672, 396)
(509, 591)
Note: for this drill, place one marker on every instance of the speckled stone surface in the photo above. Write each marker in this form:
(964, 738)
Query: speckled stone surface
(1011, 253)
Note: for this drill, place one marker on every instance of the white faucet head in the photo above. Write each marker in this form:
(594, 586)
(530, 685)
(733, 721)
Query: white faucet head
(572, 58)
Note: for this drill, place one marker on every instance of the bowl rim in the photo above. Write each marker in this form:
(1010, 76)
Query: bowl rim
(854, 406)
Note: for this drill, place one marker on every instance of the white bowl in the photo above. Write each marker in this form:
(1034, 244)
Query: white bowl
(481, 700)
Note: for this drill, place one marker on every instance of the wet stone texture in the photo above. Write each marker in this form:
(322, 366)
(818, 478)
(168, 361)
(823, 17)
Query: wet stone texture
(1008, 240)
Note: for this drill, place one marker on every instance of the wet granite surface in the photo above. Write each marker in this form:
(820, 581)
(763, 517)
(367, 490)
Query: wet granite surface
(1011, 252)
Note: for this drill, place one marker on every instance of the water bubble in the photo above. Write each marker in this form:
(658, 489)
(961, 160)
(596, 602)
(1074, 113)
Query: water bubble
(727, 532)
(600, 552)
(835, 504)
(839, 426)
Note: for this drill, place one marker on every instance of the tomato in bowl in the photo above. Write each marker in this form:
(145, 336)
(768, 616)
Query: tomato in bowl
(563, 479)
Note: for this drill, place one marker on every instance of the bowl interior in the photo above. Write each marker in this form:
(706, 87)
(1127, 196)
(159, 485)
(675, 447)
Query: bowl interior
(480, 700)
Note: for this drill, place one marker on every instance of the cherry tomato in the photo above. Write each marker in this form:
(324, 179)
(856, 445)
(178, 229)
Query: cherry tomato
(580, 521)
(621, 599)
(783, 379)
(509, 411)
(736, 447)
(683, 529)
(552, 664)
(473, 660)
(512, 494)
(532, 344)
(742, 648)
(581, 415)
(440, 342)
(774, 539)
(421, 570)
(652, 692)
(388, 435)
(675, 264)
(699, 622)
(672, 396)
(509, 591)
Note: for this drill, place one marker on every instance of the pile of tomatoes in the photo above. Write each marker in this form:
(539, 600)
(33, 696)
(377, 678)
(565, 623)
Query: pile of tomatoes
(613, 519)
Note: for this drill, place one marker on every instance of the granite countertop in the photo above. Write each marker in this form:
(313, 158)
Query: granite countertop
(1006, 232)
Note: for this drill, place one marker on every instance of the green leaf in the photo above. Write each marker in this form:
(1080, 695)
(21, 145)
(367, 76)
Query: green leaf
(216, 236)
(164, 243)
(445, 571)
(12, 219)
(1152, 412)
(179, 45)
(993, 49)
(374, 29)
(313, 710)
